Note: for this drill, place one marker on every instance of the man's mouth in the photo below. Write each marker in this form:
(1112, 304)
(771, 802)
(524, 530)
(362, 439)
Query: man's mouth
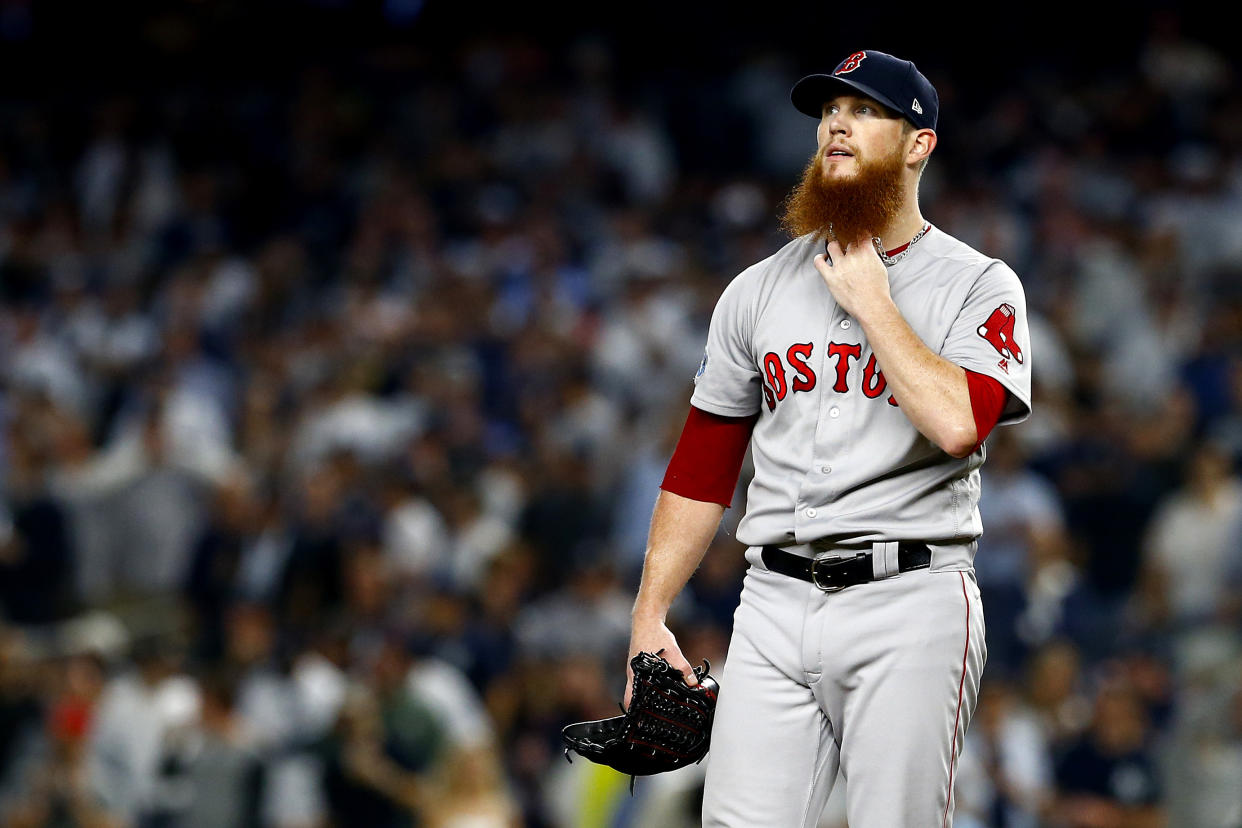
(838, 152)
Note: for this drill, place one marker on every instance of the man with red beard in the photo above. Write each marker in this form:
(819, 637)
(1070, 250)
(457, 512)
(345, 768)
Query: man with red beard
(864, 363)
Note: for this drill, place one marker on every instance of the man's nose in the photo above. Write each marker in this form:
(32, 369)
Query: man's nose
(838, 123)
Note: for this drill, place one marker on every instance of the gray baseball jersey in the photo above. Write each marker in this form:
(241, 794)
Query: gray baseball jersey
(835, 459)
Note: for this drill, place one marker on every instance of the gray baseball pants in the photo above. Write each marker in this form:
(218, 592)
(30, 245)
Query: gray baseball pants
(878, 680)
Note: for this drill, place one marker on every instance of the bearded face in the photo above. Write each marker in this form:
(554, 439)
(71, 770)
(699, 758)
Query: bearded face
(847, 207)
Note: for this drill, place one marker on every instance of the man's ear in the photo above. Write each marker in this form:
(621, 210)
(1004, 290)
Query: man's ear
(922, 146)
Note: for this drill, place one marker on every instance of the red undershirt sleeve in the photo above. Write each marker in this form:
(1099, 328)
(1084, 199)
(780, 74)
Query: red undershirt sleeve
(708, 458)
(987, 401)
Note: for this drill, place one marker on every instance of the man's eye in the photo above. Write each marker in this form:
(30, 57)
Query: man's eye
(862, 110)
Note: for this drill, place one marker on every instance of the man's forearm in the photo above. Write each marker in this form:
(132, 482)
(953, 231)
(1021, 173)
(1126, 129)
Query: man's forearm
(930, 390)
(681, 530)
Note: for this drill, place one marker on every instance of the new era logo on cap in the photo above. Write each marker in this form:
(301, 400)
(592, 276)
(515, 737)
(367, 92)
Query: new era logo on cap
(891, 81)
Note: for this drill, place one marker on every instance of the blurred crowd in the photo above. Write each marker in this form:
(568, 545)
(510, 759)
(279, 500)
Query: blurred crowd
(332, 413)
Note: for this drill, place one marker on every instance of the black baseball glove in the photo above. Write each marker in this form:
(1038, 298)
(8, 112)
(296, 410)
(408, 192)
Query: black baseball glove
(668, 725)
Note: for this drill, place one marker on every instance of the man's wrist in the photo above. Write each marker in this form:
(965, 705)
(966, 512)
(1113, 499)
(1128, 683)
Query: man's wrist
(644, 613)
(879, 313)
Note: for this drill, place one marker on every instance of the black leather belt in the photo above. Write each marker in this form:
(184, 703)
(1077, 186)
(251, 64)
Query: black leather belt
(836, 573)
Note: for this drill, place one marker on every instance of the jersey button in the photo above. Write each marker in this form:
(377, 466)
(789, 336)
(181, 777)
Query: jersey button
(826, 469)
(811, 513)
(834, 412)
(845, 323)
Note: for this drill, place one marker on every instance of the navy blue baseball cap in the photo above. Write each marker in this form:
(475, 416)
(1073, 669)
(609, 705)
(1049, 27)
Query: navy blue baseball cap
(896, 83)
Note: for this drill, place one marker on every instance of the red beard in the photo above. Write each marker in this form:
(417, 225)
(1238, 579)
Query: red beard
(861, 206)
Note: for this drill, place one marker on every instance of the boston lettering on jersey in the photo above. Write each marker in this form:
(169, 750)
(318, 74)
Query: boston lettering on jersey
(777, 384)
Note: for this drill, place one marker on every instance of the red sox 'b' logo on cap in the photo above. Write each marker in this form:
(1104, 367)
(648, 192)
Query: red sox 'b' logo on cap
(998, 331)
(850, 63)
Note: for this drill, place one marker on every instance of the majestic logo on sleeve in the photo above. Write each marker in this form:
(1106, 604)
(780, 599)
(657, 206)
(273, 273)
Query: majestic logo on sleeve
(702, 366)
(850, 63)
(998, 331)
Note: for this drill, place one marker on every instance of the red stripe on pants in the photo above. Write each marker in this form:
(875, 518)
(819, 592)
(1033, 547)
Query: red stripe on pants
(958, 718)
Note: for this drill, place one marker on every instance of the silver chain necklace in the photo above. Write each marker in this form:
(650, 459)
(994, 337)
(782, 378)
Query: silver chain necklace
(888, 260)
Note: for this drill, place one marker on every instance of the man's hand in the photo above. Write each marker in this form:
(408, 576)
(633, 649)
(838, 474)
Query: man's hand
(856, 276)
(652, 637)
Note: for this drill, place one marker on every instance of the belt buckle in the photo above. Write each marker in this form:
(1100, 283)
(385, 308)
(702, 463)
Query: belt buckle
(815, 573)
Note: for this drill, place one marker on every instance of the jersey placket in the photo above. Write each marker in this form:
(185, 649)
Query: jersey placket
(833, 426)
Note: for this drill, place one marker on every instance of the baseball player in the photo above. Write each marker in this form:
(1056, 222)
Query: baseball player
(864, 364)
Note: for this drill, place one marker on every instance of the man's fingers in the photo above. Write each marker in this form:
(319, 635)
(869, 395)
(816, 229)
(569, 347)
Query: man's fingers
(861, 246)
(685, 668)
(678, 662)
(834, 251)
